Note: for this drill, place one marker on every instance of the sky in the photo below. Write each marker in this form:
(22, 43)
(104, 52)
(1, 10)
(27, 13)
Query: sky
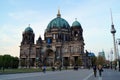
(93, 15)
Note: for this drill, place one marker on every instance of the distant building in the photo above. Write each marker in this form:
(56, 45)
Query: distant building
(102, 54)
(90, 59)
(62, 45)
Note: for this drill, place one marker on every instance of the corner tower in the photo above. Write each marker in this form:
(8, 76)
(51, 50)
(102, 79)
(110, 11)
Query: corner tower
(76, 31)
(28, 36)
(27, 48)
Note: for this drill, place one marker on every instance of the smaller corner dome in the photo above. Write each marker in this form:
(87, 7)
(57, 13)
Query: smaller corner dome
(76, 24)
(29, 29)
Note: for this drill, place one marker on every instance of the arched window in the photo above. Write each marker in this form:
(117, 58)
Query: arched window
(66, 50)
(63, 50)
(56, 36)
(53, 36)
(64, 38)
(75, 33)
(72, 49)
(49, 41)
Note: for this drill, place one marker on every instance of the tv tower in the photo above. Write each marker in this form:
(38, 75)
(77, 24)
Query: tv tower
(113, 31)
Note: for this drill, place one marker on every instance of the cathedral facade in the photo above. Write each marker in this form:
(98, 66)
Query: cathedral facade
(62, 45)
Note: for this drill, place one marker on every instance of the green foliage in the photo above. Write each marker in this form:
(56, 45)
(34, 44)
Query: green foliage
(100, 60)
(94, 60)
(1, 61)
(21, 70)
(7, 61)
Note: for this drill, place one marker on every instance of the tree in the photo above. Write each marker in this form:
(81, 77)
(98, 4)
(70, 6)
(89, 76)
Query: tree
(94, 60)
(14, 62)
(7, 61)
(1, 61)
(100, 60)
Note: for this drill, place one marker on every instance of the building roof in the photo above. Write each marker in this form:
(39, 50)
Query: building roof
(76, 24)
(29, 29)
(58, 22)
(91, 54)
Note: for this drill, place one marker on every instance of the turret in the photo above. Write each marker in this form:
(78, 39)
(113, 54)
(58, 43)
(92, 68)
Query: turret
(76, 31)
(28, 36)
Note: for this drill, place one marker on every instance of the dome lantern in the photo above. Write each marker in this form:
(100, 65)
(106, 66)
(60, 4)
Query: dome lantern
(58, 15)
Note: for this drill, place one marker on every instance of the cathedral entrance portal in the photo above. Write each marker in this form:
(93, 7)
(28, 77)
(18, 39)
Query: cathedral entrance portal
(66, 61)
(77, 61)
(50, 57)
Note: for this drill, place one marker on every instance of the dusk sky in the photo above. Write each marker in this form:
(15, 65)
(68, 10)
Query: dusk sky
(93, 15)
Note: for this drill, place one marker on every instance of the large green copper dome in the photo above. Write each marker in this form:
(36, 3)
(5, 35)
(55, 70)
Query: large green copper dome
(29, 29)
(76, 24)
(58, 23)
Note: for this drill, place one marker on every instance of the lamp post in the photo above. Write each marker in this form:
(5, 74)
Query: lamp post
(113, 31)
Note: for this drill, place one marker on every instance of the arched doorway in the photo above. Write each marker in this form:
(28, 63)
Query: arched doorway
(49, 57)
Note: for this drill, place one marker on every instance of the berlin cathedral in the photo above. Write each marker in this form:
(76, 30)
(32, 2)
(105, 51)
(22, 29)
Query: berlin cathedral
(62, 45)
